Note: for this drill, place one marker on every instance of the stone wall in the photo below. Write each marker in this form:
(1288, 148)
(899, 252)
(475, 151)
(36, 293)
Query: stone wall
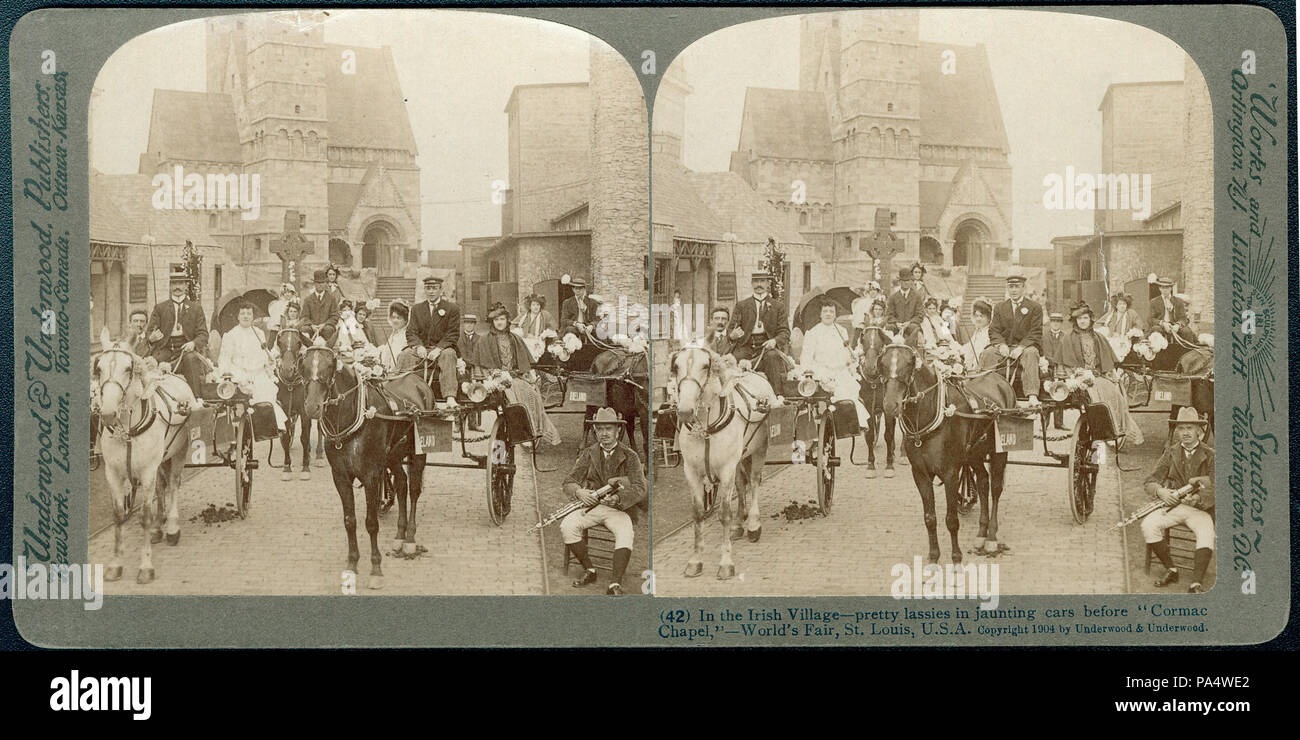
(1198, 195)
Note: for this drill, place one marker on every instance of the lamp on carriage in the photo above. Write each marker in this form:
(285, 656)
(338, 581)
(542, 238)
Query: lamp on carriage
(1057, 390)
(226, 388)
(807, 385)
(475, 390)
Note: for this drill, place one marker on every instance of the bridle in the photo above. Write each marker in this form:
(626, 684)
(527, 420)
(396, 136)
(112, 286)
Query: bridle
(296, 379)
(914, 431)
(333, 399)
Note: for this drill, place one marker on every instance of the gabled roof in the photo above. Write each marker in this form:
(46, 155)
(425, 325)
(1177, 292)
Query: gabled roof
(741, 209)
(366, 108)
(959, 109)
(675, 203)
(122, 212)
(786, 124)
(934, 199)
(193, 126)
(342, 198)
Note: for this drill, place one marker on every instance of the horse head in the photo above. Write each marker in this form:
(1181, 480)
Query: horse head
(692, 371)
(897, 364)
(872, 341)
(318, 366)
(116, 374)
(290, 345)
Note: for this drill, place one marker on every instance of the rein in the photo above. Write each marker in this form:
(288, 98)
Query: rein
(328, 428)
(914, 431)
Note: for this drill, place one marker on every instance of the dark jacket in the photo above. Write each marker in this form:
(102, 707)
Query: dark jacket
(487, 353)
(193, 325)
(320, 311)
(569, 312)
(722, 345)
(435, 327)
(1071, 351)
(1157, 313)
(775, 321)
(1175, 470)
(465, 345)
(1022, 327)
(1052, 345)
(591, 471)
(902, 309)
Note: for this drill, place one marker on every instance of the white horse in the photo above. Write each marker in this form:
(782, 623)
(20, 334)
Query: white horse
(722, 434)
(143, 419)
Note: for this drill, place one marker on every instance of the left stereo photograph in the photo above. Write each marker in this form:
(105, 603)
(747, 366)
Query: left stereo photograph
(369, 286)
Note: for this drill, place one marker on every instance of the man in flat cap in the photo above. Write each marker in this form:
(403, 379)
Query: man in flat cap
(578, 314)
(760, 326)
(177, 332)
(320, 308)
(1169, 313)
(1017, 333)
(435, 325)
(905, 305)
(607, 461)
(1052, 339)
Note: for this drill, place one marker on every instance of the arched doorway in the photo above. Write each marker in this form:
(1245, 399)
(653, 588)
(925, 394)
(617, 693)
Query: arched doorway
(340, 253)
(379, 248)
(931, 252)
(972, 247)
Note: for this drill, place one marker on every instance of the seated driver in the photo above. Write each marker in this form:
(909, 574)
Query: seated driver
(603, 463)
(1188, 461)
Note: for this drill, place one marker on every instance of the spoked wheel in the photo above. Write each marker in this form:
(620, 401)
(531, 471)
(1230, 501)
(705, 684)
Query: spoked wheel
(244, 467)
(826, 464)
(967, 493)
(500, 468)
(1083, 472)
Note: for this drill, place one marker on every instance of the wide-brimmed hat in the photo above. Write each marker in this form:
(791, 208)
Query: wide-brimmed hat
(1188, 415)
(605, 415)
(1079, 309)
(1165, 282)
(577, 283)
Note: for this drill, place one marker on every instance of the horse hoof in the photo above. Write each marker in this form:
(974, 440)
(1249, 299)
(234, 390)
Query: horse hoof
(726, 572)
(990, 547)
(375, 583)
(737, 533)
(113, 573)
(174, 539)
(286, 475)
(144, 576)
(753, 536)
(693, 570)
(408, 548)
(871, 472)
(889, 472)
(320, 462)
(397, 546)
(155, 537)
(305, 474)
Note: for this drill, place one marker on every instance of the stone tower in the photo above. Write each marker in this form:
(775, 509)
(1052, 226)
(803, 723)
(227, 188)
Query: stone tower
(272, 67)
(620, 191)
(866, 63)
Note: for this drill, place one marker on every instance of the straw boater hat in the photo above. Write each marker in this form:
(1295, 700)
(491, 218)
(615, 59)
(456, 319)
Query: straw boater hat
(1056, 316)
(760, 276)
(577, 282)
(1188, 415)
(178, 274)
(468, 318)
(1164, 282)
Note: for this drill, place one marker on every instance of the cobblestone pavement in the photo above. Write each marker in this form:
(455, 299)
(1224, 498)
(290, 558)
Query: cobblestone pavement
(294, 543)
(877, 523)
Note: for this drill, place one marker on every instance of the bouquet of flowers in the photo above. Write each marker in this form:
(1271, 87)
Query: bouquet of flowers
(536, 346)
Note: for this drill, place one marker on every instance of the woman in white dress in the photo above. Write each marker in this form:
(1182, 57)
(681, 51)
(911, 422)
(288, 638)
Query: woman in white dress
(981, 315)
(391, 354)
(826, 353)
(244, 358)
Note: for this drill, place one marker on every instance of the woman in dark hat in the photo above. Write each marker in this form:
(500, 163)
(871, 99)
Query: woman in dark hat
(1123, 318)
(535, 319)
(501, 349)
(1085, 349)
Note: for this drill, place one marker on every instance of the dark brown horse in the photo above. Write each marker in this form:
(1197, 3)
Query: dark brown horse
(360, 448)
(939, 445)
(292, 395)
(873, 341)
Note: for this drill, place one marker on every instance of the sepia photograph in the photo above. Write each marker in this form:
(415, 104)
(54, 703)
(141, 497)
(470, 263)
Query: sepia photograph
(942, 297)
(369, 285)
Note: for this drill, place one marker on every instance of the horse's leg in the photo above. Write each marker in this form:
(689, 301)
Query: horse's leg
(890, 423)
(951, 483)
(343, 485)
(982, 490)
(173, 526)
(749, 492)
(415, 487)
(399, 491)
(305, 439)
(873, 430)
(118, 485)
(997, 475)
(695, 481)
(160, 500)
(925, 486)
(149, 488)
(286, 441)
(726, 492)
(376, 580)
(734, 503)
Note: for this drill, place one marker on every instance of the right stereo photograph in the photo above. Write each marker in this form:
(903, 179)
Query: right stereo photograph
(939, 290)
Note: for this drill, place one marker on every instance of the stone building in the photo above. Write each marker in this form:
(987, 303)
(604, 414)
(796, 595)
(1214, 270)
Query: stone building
(325, 128)
(1162, 129)
(577, 200)
(884, 122)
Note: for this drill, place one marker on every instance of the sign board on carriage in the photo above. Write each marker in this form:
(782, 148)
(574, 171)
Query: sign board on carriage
(432, 435)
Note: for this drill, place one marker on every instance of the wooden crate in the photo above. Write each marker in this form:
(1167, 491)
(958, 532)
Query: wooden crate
(600, 548)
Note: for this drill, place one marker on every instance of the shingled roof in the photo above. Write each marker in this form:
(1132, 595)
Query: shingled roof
(739, 207)
(193, 126)
(959, 109)
(122, 212)
(785, 124)
(367, 108)
(677, 204)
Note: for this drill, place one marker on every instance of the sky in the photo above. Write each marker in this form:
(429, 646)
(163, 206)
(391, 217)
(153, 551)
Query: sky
(1050, 70)
(456, 69)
